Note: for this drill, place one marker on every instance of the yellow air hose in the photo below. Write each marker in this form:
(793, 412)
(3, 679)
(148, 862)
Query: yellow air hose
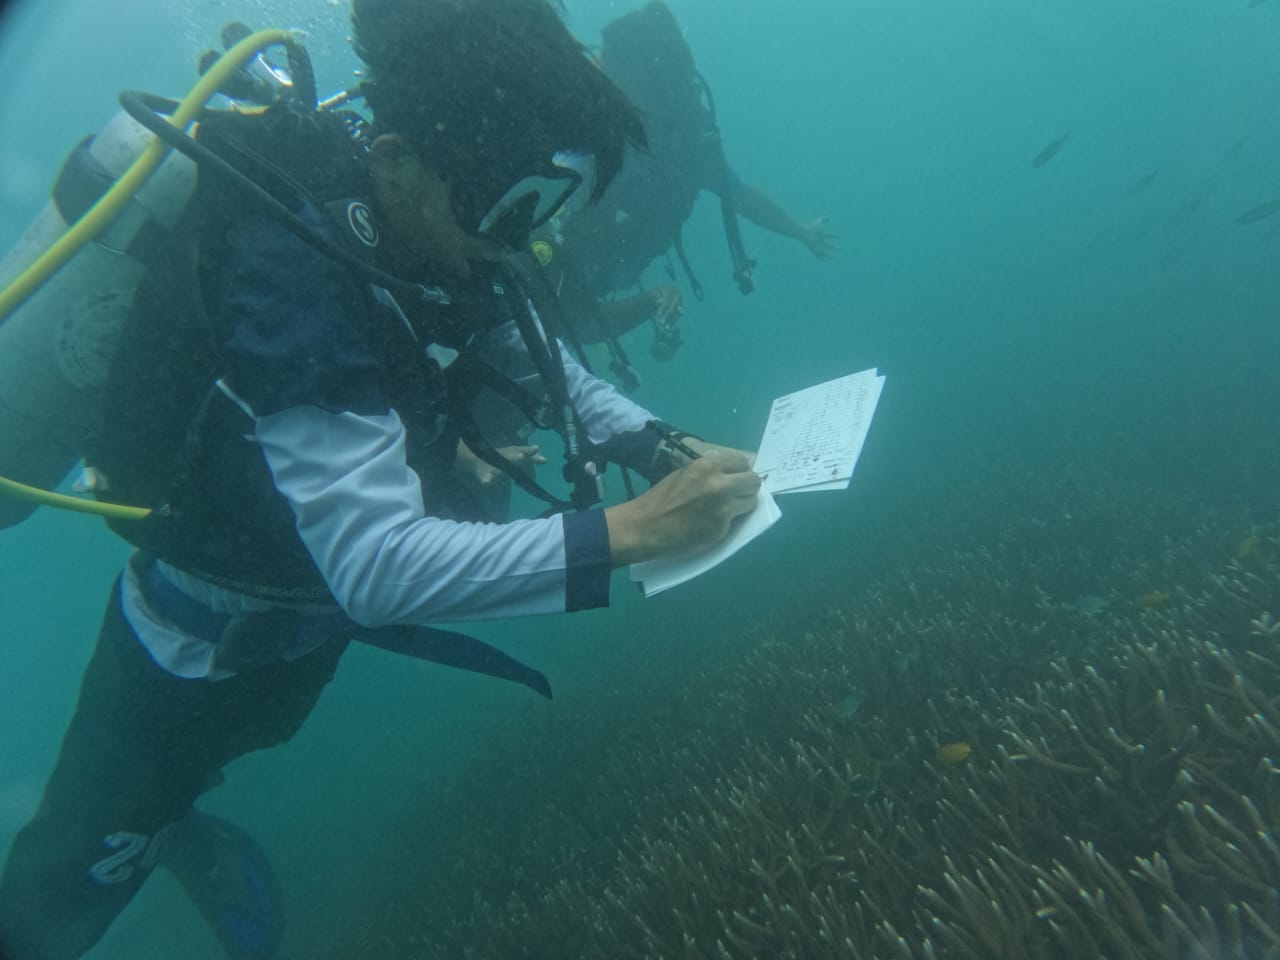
(20, 491)
(103, 212)
(110, 203)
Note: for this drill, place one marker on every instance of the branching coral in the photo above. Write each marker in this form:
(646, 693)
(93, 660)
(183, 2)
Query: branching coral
(1121, 801)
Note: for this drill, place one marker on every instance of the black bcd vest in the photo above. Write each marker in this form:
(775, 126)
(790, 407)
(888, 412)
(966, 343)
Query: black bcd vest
(172, 441)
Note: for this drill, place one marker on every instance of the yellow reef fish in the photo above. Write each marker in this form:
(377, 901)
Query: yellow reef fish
(949, 754)
(1247, 547)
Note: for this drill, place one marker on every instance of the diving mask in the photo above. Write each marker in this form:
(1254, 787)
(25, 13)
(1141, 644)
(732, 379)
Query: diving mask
(535, 199)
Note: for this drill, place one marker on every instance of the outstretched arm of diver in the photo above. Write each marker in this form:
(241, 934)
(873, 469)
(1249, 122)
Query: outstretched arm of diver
(762, 210)
(360, 512)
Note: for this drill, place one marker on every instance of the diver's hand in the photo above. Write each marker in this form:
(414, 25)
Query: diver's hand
(817, 236)
(667, 304)
(668, 456)
(526, 458)
(471, 469)
(686, 511)
(705, 449)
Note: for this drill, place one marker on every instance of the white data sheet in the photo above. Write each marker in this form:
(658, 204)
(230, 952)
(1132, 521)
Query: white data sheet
(812, 441)
(814, 436)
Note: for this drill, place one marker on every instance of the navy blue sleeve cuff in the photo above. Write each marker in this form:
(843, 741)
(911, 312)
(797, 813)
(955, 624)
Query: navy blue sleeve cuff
(586, 560)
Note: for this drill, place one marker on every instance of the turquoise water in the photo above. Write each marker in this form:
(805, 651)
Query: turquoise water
(1070, 317)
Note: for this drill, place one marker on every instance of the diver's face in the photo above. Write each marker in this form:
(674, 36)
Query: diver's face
(414, 205)
(532, 201)
(436, 221)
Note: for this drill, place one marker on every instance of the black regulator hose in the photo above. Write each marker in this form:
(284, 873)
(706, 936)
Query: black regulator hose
(149, 110)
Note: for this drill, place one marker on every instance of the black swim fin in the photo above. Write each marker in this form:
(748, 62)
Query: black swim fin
(227, 876)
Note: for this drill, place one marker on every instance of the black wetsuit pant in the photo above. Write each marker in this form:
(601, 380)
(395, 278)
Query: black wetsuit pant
(143, 744)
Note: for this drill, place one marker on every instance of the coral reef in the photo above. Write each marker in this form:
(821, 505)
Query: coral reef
(1121, 797)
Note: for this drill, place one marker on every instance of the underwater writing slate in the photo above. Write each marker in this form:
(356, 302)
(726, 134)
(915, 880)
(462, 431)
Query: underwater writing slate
(814, 436)
(811, 441)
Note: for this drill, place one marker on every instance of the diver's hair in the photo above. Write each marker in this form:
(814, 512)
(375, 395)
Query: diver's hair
(487, 88)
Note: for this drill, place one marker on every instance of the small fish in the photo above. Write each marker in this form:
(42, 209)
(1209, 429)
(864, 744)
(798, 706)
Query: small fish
(1156, 598)
(1186, 210)
(1260, 212)
(1247, 547)
(1050, 150)
(949, 754)
(1141, 184)
(1233, 151)
(847, 708)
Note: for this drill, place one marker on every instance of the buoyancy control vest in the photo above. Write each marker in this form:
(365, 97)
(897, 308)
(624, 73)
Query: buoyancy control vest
(170, 439)
(173, 440)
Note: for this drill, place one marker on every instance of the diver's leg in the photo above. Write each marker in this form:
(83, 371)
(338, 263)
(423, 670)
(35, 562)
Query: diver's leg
(141, 747)
(98, 828)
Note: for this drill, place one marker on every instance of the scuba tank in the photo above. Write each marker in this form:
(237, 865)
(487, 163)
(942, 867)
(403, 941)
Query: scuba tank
(67, 286)
(56, 348)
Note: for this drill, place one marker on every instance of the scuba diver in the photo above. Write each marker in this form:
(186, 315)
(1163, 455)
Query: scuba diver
(281, 400)
(597, 253)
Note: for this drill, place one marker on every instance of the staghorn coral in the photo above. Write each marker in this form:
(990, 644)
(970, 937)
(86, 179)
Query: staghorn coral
(1121, 801)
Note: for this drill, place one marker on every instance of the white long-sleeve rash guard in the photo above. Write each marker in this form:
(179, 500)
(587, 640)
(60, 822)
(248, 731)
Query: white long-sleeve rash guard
(360, 512)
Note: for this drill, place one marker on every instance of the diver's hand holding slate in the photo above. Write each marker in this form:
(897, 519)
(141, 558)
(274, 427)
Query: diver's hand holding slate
(687, 511)
(812, 441)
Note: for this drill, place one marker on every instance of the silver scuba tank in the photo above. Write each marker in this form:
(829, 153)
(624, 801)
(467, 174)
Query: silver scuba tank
(57, 347)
